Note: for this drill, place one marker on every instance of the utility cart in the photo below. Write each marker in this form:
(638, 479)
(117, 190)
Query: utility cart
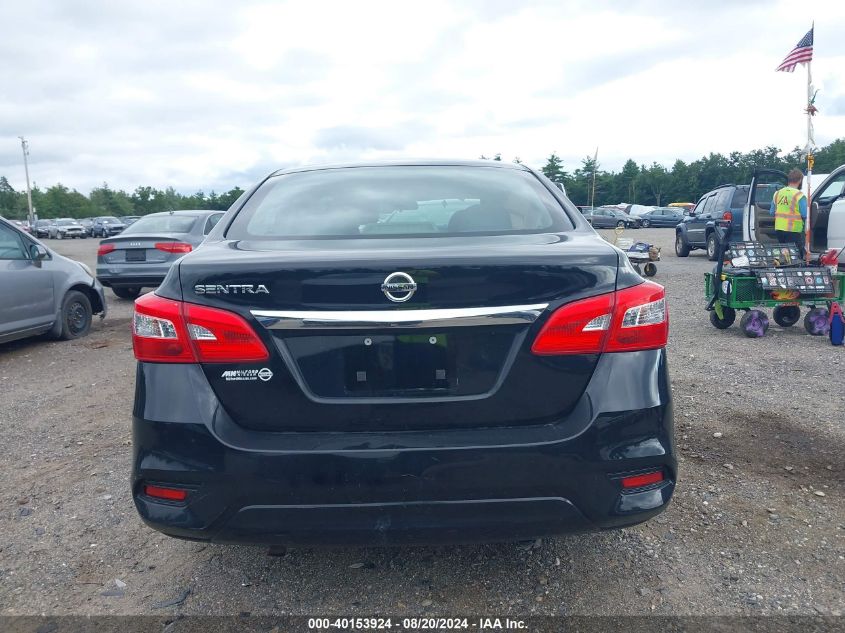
(751, 275)
(642, 255)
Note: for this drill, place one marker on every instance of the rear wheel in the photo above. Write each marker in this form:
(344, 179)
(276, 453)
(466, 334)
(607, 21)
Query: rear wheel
(650, 269)
(646, 223)
(127, 292)
(59, 235)
(712, 247)
(815, 322)
(621, 223)
(681, 247)
(786, 316)
(76, 315)
(754, 323)
(727, 320)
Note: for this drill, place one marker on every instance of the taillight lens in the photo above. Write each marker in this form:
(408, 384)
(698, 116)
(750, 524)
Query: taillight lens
(168, 331)
(105, 249)
(627, 320)
(174, 247)
(727, 216)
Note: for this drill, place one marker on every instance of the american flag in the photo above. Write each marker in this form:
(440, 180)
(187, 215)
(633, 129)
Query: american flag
(801, 54)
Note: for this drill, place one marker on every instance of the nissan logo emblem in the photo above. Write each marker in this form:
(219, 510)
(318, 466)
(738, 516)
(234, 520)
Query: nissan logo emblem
(399, 287)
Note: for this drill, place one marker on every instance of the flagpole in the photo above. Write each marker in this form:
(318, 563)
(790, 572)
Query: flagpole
(810, 161)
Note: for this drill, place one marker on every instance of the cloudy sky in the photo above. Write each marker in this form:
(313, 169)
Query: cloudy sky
(209, 95)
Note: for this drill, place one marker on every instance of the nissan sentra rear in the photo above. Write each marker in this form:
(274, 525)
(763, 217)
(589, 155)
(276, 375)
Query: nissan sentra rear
(401, 353)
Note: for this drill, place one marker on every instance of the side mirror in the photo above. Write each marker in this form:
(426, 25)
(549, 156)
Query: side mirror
(38, 253)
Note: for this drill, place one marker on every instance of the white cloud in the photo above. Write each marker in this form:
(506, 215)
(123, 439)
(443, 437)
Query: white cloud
(212, 95)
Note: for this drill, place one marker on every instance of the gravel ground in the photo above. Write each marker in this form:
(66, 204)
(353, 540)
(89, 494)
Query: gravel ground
(757, 524)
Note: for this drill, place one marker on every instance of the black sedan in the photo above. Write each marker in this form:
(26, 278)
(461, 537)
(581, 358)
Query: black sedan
(606, 218)
(401, 353)
(662, 217)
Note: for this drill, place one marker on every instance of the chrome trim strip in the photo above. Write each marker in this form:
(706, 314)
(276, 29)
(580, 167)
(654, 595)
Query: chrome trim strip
(369, 319)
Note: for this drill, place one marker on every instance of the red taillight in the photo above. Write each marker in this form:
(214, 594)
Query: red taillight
(168, 331)
(727, 216)
(627, 320)
(639, 481)
(105, 249)
(160, 492)
(174, 247)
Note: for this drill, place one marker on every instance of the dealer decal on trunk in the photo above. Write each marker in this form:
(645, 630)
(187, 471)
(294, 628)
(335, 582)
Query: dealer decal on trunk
(264, 374)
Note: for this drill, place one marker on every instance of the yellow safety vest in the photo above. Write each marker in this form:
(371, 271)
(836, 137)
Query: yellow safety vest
(787, 213)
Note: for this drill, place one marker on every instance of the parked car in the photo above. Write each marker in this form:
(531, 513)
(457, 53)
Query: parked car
(698, 229)
(23, 225)
(604, 217)
(827, 212)
(66, 228)
(129, 220)
(143, 253)
(340, 363)
(88, 225)
(42, 291)
(42, 227)
(662, 216)
(106, 226)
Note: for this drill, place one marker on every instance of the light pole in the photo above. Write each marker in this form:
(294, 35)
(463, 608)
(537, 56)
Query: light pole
(25, 148)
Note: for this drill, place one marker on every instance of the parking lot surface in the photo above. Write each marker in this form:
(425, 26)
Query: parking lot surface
(757, 524)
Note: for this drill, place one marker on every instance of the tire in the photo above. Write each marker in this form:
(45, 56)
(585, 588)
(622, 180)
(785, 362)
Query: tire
(712, 247)
(59, 235)
(754, 323)
(75, 315)
(646, 224)
(725, 323)
(621, 223)
(650, 269)
(786, 316)
(682, 249)
(127, 292)
(815, 322)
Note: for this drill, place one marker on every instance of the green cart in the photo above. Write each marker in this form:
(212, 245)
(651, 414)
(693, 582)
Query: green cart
(744, 292)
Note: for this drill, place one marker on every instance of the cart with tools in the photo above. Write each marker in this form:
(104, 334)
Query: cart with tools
(641, 255)
(751, 275)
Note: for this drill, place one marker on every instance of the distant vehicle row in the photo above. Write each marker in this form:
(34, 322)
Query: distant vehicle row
(609, 217)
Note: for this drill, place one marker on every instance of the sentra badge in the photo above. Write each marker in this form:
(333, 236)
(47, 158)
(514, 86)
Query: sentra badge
(231, 289)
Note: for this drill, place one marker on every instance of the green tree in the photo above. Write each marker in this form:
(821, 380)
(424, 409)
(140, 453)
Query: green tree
(553, 169)
(106, 201)
(8, 199)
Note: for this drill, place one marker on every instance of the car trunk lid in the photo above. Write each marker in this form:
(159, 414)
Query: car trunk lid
(344, 356)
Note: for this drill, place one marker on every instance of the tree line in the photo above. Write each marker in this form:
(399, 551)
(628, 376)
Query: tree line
(685, 182)
(60, 202)
(635, 184)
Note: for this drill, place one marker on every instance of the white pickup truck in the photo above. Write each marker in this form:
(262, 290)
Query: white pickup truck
(827, 214)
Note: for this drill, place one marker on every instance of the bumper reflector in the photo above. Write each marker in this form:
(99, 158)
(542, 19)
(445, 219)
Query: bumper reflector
(646, 479)
(160, 492)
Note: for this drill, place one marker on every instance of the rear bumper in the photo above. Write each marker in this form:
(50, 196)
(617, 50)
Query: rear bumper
(395, 488)
(143, 275)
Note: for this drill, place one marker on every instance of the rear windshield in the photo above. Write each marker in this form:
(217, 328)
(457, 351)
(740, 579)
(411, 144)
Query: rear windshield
(162, 224)
(399, 201)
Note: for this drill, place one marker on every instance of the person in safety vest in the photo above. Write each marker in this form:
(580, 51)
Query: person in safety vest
(789, 207)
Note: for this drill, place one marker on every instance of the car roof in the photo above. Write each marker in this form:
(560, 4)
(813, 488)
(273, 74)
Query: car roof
(405, 163)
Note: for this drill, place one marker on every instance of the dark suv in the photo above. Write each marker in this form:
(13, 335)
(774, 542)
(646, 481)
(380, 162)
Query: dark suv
(397, 353)
(698, 229)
